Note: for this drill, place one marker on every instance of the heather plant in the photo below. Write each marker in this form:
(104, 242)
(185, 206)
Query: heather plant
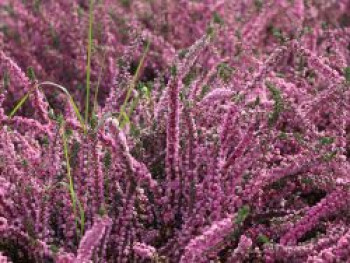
(221, 135)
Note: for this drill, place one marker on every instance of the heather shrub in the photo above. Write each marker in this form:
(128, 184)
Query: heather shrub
(221, 133)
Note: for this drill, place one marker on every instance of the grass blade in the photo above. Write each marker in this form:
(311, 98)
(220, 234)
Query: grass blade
(19, 104)
(88, 66)
(72, 192)
(52, 84)
(133, 82)
(99, 81)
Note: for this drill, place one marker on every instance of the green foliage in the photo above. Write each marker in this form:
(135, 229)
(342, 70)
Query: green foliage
(278, 105)
(55, 249)
(210, 31)
(102, 211)
(123, 116)
(74, 150)
(107, 159)
(173, 70)
(258, 4)
(79, 220)
(204, 91)
(183, 53)
(25, 162)
(299, 137)
(263, 239)
(277, 33)
(242, 214)
(55, 38)
(329, 156)
(217, 19)
(6, 80)
(347, 74)
(326, 140)
(36, 6)
(126, 3)
(283, 136)
(31, 74)
(88, 63)
(225, 71)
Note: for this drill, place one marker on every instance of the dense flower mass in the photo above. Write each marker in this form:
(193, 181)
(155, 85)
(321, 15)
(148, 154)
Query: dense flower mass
(218, 131)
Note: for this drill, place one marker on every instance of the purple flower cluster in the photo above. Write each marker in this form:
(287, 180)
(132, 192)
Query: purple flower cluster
(232, 146)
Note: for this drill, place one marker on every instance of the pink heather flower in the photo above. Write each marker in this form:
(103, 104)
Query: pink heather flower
(240, 253)
(92, 239)
(196, 248)
(144, 251)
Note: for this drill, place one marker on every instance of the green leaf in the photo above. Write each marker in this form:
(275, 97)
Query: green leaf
(347, 74)
(204, 91)
(326, 140)
(278, 105)
(102, 211)
(55, 249)
(263, 239)
(6, 80)
(88, 63)
(132, 85)
(225, 71)
(283, 136)
(217, 19)
(329, 156)
(173, 70)
(183, 53)
(107, 159)
(258, 4)
(299, 137)
(79, 220)
(242, 214)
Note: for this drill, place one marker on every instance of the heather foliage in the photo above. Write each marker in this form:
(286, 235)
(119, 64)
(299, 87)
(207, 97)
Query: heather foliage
(219, 133)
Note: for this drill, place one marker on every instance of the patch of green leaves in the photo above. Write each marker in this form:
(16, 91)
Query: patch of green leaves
(242, 214)
(55, 249)
(326, 140)
(299, 137)
(107, 159)
(283, 136)
(278, 106)
(329, 156)
(263, 239)
(6, 80)
(225, 71)
(217, 19)
(258, 5)
(204, 91)
(277, 33)
(347, 74)
(173, 70)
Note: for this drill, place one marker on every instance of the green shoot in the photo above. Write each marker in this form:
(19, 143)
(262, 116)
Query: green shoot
(347, 74)
(88, 66)
(70, 186)
(278, 106)
(99, 81)
(263, 239)
(122, 113)
(326, 140)
(242, 214)
(19, 104)
(31, 74)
